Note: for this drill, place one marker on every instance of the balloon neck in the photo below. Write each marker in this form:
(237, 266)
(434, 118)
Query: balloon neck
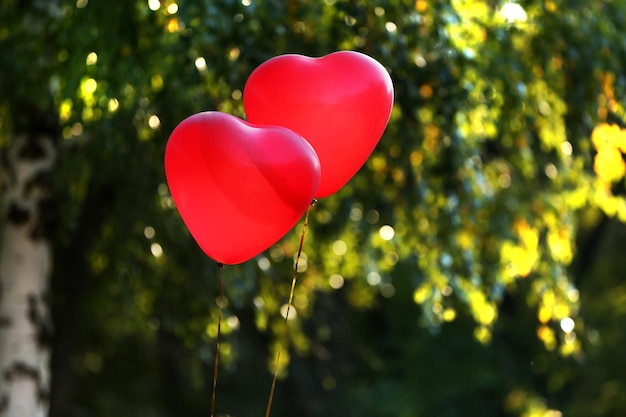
(220, 265)
(314, 202)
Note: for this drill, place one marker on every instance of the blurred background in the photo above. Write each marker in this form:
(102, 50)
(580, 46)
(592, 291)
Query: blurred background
(473, 267)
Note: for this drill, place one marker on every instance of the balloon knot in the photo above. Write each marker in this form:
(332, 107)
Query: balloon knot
(314, 202)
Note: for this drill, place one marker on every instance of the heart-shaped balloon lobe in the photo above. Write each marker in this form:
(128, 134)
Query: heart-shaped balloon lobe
(238, 187)
(340, 103)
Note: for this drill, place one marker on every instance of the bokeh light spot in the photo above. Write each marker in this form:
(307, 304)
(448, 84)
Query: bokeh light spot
(157, 250)
(172, 8)
(566, 148)
(387, 290)
(551, 171)
(356, 214)
(113, 105)
(386, 232)
(391, 27)
(91, 59)
(264, 263)
(233, 54)
(372, 217)
(154, 122)
(89, 86)
(340, 247)
(154, 5)
(149, 232)
(286, 310)
(336, 281)
(200, 64)
(567, 324)
(373, 278)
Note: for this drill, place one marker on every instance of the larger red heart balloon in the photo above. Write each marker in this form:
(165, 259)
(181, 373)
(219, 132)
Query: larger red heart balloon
(238, 187)
(340, 103)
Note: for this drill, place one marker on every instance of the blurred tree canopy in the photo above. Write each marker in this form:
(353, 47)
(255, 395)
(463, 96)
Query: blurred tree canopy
(472, 267)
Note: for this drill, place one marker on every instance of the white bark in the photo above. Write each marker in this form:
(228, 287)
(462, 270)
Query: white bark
(24, 274)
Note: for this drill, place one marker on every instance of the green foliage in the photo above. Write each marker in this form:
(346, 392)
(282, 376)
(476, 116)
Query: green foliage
(440, 281)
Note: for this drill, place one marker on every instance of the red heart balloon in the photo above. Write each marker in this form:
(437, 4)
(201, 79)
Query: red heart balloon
(238, 187)
(340, 103)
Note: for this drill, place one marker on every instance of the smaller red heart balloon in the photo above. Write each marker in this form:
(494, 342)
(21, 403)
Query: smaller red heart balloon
(238, 187)
(340, 103)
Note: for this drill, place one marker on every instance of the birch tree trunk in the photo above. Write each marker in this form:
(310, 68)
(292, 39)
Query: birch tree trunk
(24, 273)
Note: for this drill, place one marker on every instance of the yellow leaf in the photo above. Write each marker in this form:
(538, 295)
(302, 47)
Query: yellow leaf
(547, 336)
(609, 164)
(421, 6)
(65, 110)
(606, 135)
(482, 334)
(544, 314)
(449, 314)
(421, 294)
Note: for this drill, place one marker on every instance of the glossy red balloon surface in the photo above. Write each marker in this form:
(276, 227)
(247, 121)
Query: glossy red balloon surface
(340, 103)
(238, 187)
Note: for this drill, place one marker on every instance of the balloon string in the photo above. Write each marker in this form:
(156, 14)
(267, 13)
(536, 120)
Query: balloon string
(217, 344)
(289, 303)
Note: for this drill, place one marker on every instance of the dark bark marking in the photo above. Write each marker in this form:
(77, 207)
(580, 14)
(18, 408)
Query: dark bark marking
(33, 310)
(22, 369)
(39, 321)
(32, 150)
(18, 215)
(5, 321)
(48, 214)
(34, 205)
(43, 395)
